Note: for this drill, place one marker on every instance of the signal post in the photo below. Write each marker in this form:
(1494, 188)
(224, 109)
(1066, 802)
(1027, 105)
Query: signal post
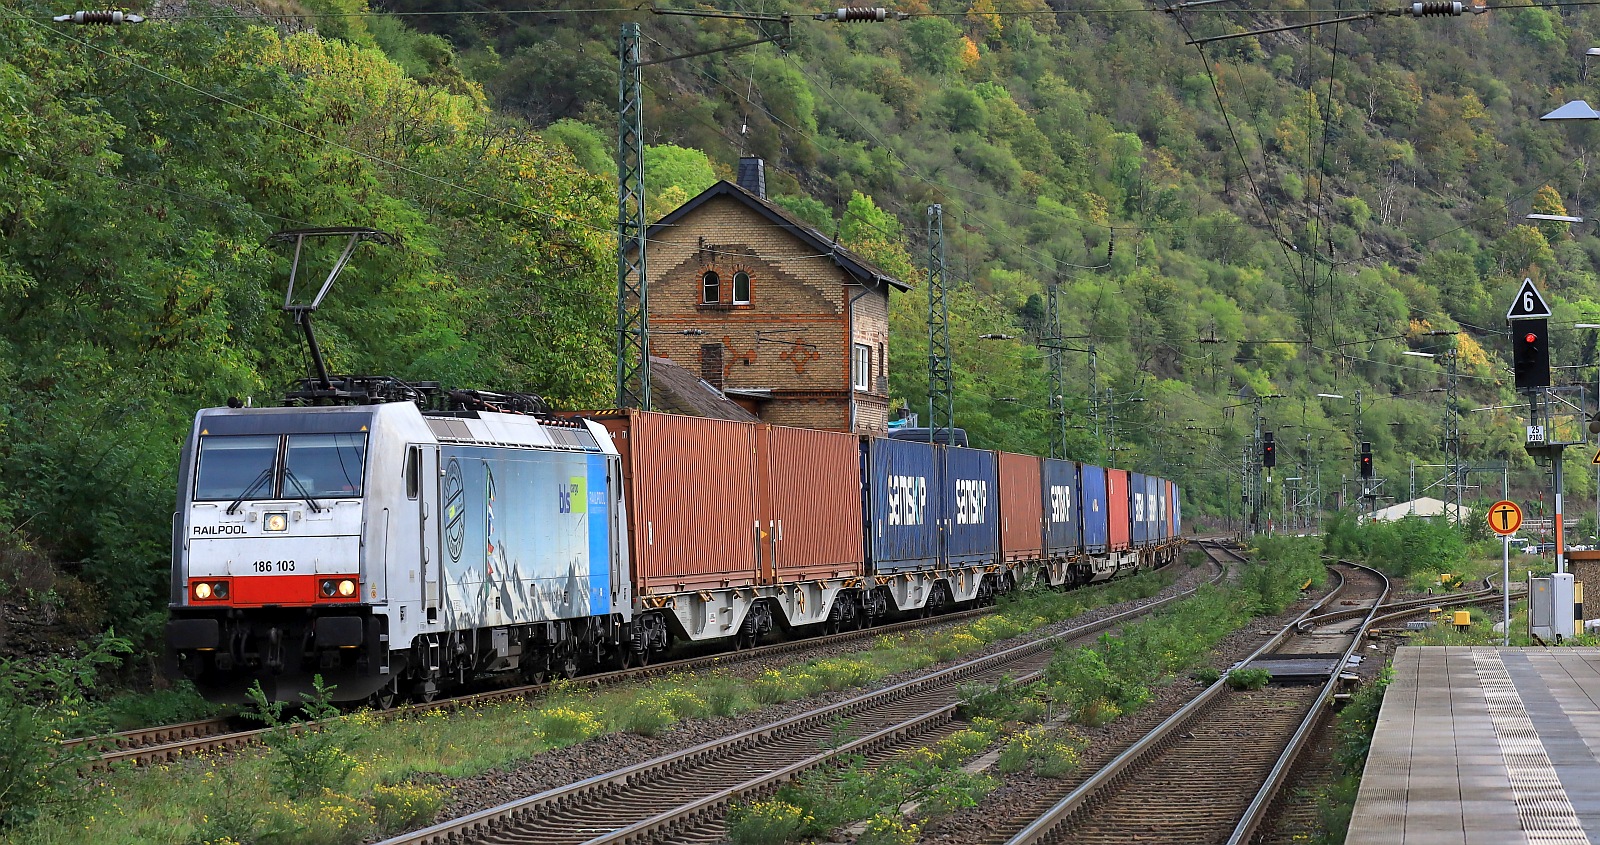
(1529, 317)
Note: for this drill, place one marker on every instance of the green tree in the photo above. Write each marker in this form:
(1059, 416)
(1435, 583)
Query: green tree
(934, 44)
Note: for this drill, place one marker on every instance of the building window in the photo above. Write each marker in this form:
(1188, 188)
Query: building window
(710, 288)
(861, 372)
(741, 288)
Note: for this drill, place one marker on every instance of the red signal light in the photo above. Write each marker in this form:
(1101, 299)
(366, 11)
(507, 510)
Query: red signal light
(1530, 337)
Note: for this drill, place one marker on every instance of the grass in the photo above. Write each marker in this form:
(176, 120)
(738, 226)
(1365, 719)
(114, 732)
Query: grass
(231, 798)
(825, 798)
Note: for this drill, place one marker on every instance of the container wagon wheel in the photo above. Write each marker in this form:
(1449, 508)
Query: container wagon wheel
(746, 638)
(383, 697)
(835, 621)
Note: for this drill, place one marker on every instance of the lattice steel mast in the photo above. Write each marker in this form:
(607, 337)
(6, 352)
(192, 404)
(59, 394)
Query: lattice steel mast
(1058, 386)
(633, 306)
(941, 381)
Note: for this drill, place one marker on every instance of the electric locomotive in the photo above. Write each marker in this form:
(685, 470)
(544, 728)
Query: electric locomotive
(394, 551)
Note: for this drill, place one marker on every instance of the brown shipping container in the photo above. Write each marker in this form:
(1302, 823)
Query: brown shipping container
(1117, 507)
(692, 505)
(811, 504)
(1021, 507)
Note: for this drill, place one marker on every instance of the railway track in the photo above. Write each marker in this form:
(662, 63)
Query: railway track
(1258, 732)
(684, 796)
(169, 742)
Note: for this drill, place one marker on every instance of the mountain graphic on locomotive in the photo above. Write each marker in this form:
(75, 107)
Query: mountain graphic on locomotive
(400, 540)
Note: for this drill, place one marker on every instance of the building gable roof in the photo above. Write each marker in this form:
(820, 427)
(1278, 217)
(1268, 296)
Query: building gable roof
(850, 262)
(675, 390)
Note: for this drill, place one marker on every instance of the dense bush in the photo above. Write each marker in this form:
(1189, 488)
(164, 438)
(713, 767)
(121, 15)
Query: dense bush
(43, 702)
(1401, 548)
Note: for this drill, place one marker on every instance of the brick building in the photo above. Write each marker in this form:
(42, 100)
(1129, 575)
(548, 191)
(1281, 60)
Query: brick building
(793, 327)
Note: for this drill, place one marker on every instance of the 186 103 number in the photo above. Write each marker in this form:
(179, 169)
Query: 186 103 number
(274, 566)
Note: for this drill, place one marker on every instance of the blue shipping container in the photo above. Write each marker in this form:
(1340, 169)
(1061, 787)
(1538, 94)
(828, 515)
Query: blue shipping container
(1156, 507)
(1139, 508)
(970, 506)
(1095, 509)
(901, 479)
(1063, 509)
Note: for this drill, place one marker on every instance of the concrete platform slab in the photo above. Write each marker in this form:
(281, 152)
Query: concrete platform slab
(1485, 745)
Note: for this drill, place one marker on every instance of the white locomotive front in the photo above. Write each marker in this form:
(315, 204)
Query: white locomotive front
(392, 551)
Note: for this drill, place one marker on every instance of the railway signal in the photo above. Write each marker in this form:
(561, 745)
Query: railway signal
(1364, 460)
(1530, 353)
(1269, 451)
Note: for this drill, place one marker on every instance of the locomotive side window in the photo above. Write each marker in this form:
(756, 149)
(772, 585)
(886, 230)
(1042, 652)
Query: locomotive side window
(324, 465)
(413, 472)
(234, 467)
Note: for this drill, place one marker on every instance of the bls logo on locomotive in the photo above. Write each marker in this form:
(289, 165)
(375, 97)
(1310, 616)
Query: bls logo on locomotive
(972, 501)
(908, 497)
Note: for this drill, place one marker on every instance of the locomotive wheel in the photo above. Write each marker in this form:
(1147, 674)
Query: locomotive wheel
(626, 657)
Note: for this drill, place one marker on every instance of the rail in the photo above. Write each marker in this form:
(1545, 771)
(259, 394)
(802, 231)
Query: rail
(1257, 810)
(1043, 828)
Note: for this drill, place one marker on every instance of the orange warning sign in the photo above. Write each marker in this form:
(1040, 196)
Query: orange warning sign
(1505, 517)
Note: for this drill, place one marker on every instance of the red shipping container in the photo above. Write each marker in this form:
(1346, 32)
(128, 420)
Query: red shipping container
(692, 499)
(1021, 507)
(1117, 508)
(1169, 529)
(811, 504)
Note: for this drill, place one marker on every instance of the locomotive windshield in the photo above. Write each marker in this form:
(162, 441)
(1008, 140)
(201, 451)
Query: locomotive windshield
(313, 466)
(325, 465)
(236, 468)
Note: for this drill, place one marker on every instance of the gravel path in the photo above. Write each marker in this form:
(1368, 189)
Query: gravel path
(614, 751)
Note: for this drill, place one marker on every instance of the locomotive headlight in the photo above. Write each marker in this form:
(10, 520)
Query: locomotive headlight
(278, 521)
(327, 588)
(202, 590)
(220, 589)
(347, 588)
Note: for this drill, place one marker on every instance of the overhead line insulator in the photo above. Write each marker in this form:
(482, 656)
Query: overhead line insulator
(1452, 8)
(861, 14)
(99, 17)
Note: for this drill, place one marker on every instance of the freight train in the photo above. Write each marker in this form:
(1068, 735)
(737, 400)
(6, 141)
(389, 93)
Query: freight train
(401, 551)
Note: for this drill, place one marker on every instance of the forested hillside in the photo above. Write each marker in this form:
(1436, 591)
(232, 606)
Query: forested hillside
(143, 170)
(1287, 214)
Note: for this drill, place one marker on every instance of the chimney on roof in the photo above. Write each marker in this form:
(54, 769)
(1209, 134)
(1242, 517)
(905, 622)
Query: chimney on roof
(753, 176)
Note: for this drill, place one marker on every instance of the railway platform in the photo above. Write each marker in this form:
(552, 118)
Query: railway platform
(1487, 745)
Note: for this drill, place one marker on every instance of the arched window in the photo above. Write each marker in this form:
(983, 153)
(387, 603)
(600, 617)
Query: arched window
(741, 288)
(710, 287)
